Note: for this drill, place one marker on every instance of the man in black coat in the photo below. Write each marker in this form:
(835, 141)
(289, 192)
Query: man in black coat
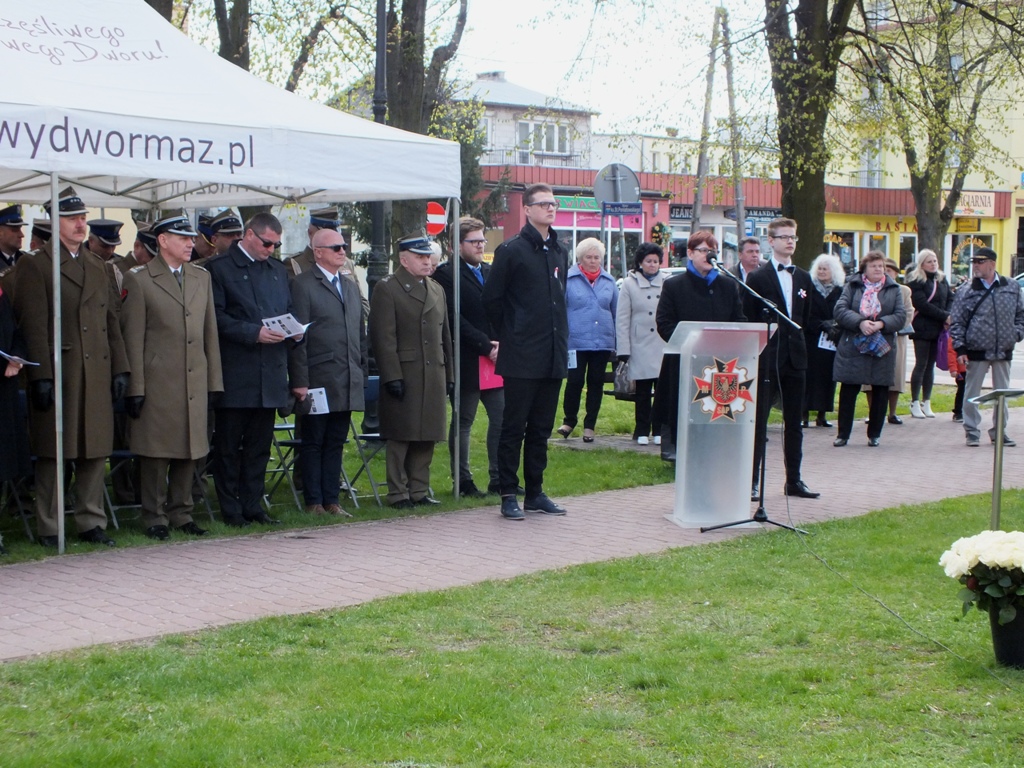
(476, 342)
(249, 286)
(784, 360)
(525, 300)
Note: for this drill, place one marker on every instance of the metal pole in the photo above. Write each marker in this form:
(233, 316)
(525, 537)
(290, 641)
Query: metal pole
(997, 469)
(702, 157)
(456, 343)
(377, 263)
(58, 367)
(734, 135)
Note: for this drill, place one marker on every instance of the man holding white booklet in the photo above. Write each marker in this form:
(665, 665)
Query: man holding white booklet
(330, 368)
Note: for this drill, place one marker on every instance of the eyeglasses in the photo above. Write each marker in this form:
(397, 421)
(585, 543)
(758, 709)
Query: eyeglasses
(546, 204)
(709, 251)
(787, 238)
(267, 243)
(336, 247)
(481, 241)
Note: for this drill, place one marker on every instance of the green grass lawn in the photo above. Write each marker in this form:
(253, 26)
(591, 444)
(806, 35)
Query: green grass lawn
(750, 652)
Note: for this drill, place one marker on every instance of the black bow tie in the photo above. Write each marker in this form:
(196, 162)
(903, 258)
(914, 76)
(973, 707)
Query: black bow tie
(784, 268)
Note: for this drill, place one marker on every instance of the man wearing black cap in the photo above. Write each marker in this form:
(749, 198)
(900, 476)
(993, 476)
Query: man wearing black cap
(12, 235)
(203, 247)
(94, 370)
(170, 334)
(412, 344)
(248, 287)
(104, 237)
(322, 218)
(41, 234)
(986, 322)
(227, 230)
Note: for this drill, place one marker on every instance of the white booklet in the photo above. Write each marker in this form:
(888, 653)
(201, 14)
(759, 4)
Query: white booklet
(825, 343)
(16, 359)
(286, 324)
(319, 398)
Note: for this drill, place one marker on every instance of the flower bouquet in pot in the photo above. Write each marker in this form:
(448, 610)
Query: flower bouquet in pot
(990, 566)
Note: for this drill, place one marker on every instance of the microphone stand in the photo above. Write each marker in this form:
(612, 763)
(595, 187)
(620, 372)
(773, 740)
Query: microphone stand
(768, 310)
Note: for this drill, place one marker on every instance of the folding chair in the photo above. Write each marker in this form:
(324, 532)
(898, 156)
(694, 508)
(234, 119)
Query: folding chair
(368, 445)
(286, 447)
(8, 495)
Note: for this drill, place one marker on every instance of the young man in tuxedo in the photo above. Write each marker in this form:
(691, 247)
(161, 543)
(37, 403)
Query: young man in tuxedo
(784, 360)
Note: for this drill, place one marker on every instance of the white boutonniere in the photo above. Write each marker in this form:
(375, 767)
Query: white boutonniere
(802, 293)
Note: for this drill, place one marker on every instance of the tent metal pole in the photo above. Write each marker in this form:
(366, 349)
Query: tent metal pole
(456, 427)
(58, 368)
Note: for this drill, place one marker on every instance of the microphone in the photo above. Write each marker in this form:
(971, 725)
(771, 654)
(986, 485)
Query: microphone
(713, 261)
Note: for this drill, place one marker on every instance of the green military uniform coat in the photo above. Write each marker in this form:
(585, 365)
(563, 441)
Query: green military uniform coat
(170, 333)
(92, 353)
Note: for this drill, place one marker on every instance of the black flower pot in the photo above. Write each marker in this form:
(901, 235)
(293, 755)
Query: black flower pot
(1008, 639)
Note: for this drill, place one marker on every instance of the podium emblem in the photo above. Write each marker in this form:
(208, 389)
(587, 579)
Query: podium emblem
(724, 390)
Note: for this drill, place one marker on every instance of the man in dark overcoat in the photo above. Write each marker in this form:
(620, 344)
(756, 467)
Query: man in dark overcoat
(332, 357)
(94, 373)
(476, 341)
(412, 344)
(525, 300)
(170, 334)
(248, 287)
(12, 236)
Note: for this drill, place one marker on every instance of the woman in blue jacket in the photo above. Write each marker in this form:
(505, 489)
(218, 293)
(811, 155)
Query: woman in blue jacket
(591, 299)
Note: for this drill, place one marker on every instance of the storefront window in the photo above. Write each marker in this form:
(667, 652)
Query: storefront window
(876, 242)
(963, 248)
(841, 244)
(908, 251)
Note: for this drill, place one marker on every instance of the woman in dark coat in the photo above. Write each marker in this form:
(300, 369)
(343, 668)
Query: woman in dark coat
(871, 301)
(699, 294)
(932, 301)
(828, 277)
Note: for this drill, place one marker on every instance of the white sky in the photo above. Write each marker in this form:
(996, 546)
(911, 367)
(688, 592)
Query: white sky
(639, 68)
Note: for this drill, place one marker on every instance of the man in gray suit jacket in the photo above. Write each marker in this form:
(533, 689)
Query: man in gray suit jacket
(334, 359)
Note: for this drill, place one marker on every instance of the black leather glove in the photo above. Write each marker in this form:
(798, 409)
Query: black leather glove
(623, 358)
(395, 388)
(449, 387)
(42, 394)
(119, 385)
(213, 400)
(133, 405)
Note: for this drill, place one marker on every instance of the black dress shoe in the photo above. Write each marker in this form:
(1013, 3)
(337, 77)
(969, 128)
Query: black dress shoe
(668, 455)
(799, 489)
(839, 442)
(873, 442)
(424, 501)
(510, 508)
(468, 489)
(48, 541)
(264, 519)
(755, 492)
(191, 529)
(402, 504)
(237, 523)
(541, 503)
(97, 536)
(820, 422)
(158, 532)
(894, 419)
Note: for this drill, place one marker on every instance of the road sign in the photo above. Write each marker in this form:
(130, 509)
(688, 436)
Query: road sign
(616, 183)
(622, 209)
(436, 218)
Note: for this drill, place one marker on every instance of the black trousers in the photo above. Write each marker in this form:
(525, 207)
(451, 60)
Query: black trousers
(241, 451)
(590, 368)
(876, 413)
(790, 383)
(323, 440)
(527, 421)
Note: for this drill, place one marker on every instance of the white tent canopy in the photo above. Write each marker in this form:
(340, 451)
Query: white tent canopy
(108, 94)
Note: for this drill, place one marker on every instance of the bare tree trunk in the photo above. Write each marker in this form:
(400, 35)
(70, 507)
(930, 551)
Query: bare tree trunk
(233, 28)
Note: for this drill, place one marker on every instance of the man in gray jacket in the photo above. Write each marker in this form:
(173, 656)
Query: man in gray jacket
(986, 322)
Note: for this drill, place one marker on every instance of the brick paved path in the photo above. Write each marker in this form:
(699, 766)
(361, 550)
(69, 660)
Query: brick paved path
(133, 594)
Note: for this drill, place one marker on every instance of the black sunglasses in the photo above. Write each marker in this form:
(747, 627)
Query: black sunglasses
(267, 243)
(336, 247)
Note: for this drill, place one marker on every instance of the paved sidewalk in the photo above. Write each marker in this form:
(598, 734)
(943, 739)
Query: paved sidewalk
(127, 595)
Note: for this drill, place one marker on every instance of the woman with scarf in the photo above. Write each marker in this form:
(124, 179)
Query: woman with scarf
(828, 277)
(591, 299)
(869, 312)
(637, 338)
(699, 294)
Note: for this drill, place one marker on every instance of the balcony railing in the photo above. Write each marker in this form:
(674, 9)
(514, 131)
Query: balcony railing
(515, 156)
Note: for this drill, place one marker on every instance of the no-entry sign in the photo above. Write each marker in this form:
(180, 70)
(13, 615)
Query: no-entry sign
(435, 218)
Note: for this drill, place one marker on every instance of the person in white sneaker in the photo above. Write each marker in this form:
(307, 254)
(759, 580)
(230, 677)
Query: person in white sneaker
(929, 290)
(987, 320)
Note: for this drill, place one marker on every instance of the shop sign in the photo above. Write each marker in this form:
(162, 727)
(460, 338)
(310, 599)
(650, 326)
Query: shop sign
(567, 203)
(970, 244)
(755, 214)
(976, 204)
(680, 213)
(968, 225)
(896, 226)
